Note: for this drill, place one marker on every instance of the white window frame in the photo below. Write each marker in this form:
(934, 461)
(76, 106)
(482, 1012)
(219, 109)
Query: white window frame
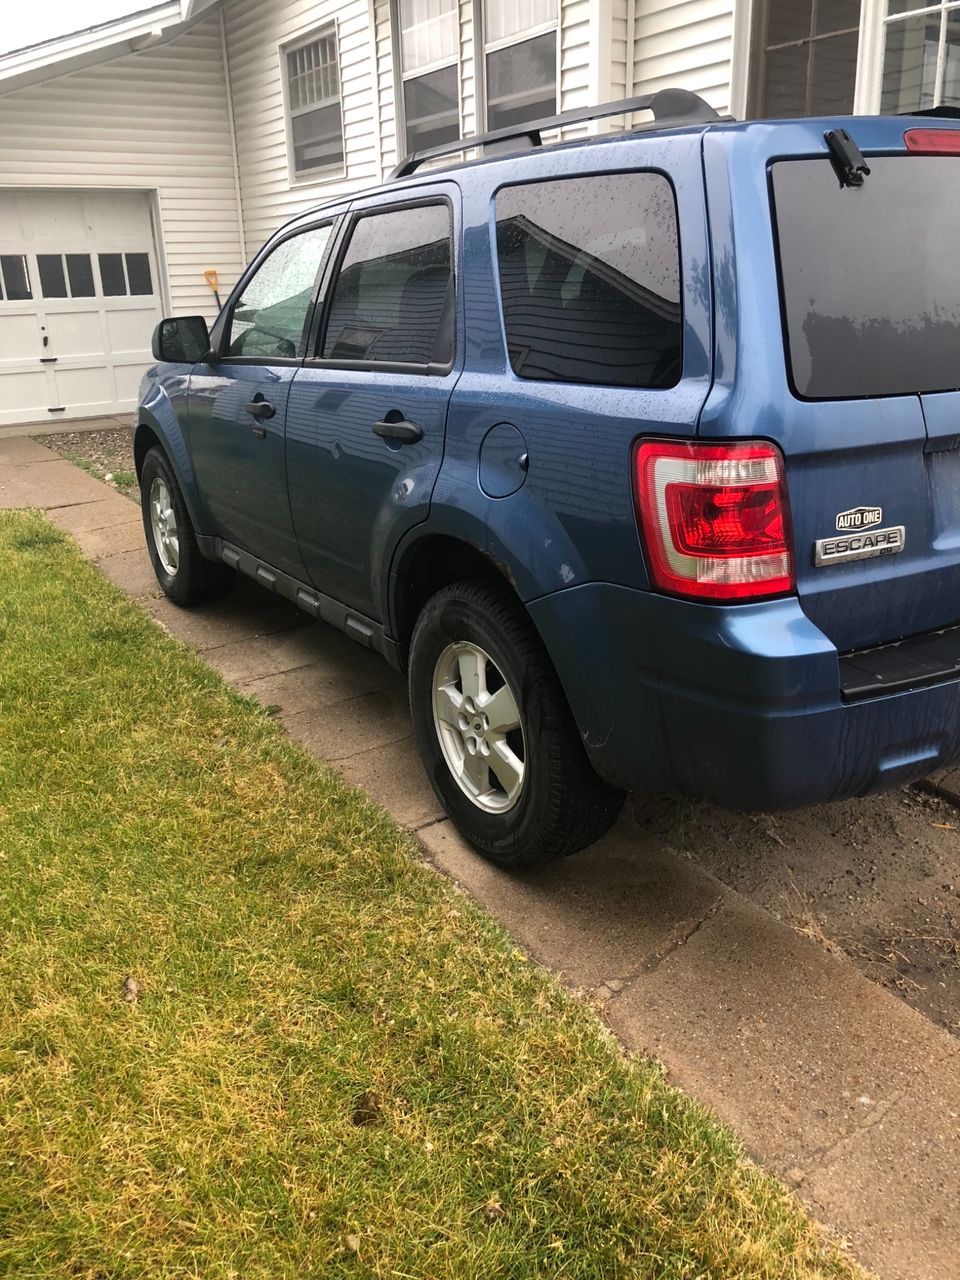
(310, 177)
(492, 46)
(400, 77)
(876, 35)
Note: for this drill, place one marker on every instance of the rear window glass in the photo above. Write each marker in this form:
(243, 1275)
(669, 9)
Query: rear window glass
(870, 276)
(590, 280)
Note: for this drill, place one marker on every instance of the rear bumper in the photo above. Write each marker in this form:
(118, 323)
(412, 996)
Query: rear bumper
(740, 705)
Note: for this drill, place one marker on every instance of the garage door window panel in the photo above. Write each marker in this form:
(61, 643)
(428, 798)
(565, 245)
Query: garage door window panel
(16, 277)
(53, 280)
(270, 317)
(393, 301)
(112, 281)
(80, 275)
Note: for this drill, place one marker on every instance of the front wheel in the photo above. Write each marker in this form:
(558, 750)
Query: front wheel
(182, 570)
(495, 733)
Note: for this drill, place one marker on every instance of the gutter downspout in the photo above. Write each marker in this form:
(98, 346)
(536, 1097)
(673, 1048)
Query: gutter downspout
(631, 51)
(233, 137)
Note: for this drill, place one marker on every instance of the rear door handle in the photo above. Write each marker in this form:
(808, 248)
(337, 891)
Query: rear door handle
(261, 409)
(402, 431)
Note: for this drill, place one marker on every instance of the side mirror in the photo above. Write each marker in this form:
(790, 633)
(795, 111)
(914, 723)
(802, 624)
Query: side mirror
(181, 340)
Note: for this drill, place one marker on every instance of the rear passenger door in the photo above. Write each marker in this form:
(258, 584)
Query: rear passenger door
(367, 412)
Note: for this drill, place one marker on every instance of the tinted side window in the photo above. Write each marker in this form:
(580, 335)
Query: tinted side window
(393, 300)
(268, 319)
(590, 280)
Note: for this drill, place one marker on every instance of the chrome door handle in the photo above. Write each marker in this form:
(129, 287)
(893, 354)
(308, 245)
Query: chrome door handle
(261, 409)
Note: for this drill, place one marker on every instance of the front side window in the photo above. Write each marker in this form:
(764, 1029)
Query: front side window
(521, 61)
(313, 105)
(590, 280)
(430, 71)
(393, 301)
(921, 59)
(806, 56)
(269, 318)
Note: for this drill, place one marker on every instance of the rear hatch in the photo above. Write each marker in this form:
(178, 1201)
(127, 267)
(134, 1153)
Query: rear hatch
(848, 356)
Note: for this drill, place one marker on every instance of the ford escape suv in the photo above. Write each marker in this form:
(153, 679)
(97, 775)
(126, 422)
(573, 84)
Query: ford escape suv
(640, 454)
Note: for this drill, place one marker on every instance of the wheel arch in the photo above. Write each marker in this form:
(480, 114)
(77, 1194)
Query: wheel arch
(149, 433)
(430, 562)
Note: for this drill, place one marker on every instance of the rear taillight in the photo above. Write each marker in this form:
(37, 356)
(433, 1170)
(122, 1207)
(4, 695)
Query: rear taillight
(715, 519)
(933, 142)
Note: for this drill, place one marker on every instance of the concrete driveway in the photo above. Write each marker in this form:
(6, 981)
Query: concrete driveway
(669, 925)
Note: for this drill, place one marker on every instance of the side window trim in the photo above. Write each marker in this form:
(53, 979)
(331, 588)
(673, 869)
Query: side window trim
(225, 320)
(318, 332)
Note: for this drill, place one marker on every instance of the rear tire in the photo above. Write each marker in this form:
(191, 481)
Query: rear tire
(495, 733)
(183, 572)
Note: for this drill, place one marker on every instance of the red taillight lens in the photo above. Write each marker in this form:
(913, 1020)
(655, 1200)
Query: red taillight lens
(715, 519)
(933, 142)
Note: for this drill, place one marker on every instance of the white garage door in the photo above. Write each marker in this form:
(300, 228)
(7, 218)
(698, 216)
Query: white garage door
(79, 298)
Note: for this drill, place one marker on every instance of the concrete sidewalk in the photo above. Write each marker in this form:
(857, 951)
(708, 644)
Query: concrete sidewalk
(830, 1081)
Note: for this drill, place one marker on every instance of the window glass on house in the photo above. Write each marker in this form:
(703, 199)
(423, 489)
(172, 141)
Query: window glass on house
(805, 57)
(921, 60)
(313, 105)
(430, 72)
(521, 60)
(269, 318)
(393, 300)
(590, 280)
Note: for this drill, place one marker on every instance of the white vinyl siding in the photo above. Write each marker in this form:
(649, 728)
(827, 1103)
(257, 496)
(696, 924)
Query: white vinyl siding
(256, 33)
(151, 121)
(685, 44)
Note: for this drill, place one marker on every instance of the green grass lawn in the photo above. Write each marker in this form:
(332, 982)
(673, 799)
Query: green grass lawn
(336, 1064)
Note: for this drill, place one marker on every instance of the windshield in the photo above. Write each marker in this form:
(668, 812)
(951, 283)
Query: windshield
(870, 276)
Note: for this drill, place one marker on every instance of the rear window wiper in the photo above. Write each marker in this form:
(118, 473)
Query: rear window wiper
(847, 158)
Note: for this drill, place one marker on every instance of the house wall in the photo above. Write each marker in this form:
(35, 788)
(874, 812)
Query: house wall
(685, 44)
(154, 120)
(256, 30)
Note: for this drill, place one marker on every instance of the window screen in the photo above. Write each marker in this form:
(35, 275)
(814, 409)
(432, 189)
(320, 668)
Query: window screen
(590, 280)
(393, 300)
(806, 57)
(522, 81)
(313, 99)
(269, 318)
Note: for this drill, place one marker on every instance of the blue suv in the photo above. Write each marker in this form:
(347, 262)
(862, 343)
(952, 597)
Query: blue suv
(640, 454)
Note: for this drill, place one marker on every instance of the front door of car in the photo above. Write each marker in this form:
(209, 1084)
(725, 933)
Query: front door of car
(238, 400)
(367, 412)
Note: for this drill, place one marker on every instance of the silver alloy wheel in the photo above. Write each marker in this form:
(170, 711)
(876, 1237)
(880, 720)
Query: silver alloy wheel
(163, 523)
(478, 724)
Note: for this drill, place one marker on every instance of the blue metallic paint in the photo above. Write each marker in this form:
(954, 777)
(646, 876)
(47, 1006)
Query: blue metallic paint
(738, 703)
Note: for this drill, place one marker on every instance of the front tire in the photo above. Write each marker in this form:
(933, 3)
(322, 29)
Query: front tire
(185, 575)
(495, 733)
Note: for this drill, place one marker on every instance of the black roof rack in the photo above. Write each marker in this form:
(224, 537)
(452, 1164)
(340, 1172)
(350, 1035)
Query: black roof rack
(669, 107)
